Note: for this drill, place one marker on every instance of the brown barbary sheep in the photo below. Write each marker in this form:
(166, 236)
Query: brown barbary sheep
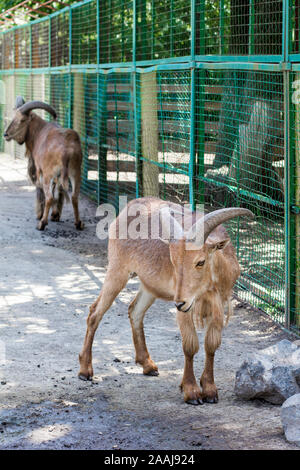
(195, 267)
(54, 156)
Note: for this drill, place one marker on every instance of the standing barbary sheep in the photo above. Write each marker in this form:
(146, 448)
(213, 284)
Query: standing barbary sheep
(54, 155)
(196, 268)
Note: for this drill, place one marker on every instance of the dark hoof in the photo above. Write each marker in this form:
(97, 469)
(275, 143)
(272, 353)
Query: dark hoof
(41, 225)
(195, 402)
(55, 217)
(211, 400)
(85, 378)
(79, 225)
(152, 373)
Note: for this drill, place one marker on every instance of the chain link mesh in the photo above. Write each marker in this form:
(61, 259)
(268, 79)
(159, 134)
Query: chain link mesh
(187, 101)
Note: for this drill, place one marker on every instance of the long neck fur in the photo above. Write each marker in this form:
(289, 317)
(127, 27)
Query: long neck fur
(34, 128)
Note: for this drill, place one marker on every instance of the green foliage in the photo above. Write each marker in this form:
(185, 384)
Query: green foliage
(7, 4)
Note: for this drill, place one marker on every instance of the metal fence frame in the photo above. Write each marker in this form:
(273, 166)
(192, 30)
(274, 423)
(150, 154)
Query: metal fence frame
(287, 63)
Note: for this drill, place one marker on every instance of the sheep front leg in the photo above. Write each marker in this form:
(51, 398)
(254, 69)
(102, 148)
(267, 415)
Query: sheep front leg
(190, 345)
(211, 343)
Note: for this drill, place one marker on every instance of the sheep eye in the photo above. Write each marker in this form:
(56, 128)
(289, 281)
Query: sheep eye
(200, 263)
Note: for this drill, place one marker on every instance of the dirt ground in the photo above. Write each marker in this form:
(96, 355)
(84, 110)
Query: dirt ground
(47, 281)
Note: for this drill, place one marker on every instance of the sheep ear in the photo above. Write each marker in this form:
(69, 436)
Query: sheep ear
(219, 245)
(19, 102)
(171, 229)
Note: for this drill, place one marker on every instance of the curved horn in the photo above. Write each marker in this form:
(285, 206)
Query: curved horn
(19, 102)
(209, 222)
(37, 105)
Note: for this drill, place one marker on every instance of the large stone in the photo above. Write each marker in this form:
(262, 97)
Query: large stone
(290, 418)
(272, 374)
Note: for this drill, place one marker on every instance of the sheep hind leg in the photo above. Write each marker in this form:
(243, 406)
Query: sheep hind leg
(48, 203)
(57, 207)
(114, 282)
(40, 203)
(190, 345)
(136, 312)
(75, 181)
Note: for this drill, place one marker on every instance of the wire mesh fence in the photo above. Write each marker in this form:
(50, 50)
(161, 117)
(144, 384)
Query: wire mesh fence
(191, 101)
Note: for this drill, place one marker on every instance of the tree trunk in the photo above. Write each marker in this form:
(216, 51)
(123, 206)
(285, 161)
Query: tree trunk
(78, 104)
(297, 203)
(79, 121)
(149, 134)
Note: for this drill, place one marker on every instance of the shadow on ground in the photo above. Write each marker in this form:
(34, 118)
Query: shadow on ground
(47, 282)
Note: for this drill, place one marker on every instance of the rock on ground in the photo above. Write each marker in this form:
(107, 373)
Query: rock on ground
(290, 417)
(272, 374)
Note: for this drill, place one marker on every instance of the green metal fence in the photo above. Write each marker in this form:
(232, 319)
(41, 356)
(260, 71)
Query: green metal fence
(195, 101)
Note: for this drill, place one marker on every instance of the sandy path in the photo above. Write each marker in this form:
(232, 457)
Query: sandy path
(47, 282)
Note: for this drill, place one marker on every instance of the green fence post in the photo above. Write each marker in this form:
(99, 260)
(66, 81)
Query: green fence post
(200, 132)
(122, 32)
(171, 29)
(141, 33)
(251, 27)
(102, 191)
(162, 137)
(70, 69)
(102, 150)
(192, 109)
(288, 177)
(49, 39)
(138, 170)
(221, 26)
(30, 58)
(293, 196)
(49, 44)
(153, 18)
(295, 209)
(109, 34)
(289, 223)
(192, 141)
(292, 180)
(200, 106)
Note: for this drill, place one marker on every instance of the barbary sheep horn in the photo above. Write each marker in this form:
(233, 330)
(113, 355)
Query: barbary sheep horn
(30, 105)
(210, 221)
